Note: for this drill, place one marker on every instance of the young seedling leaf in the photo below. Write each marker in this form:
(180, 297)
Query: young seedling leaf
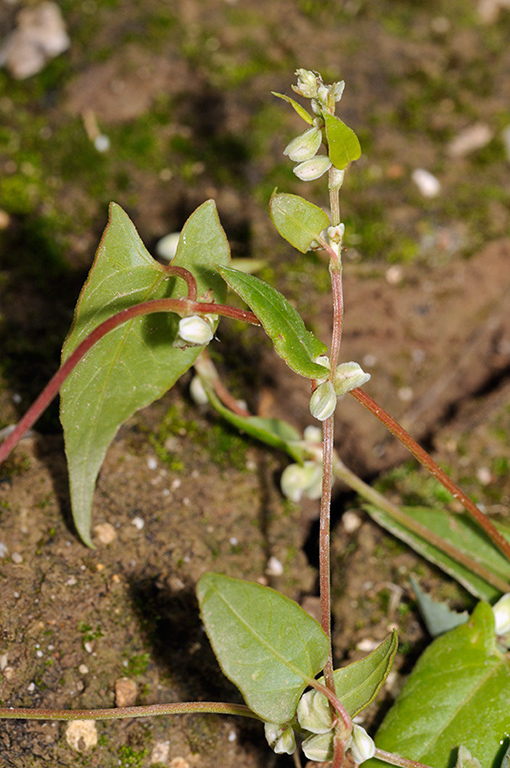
(463, 534)
(438, 617)
(343, 144)
(297, 220)
(282, 323)
(299, 109)
(457, 694)
(135, 364)
(265, 643)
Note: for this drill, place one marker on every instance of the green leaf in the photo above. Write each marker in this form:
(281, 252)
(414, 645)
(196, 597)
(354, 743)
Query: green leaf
(282, 323)
(358, 684)
(265, 643)
(458, 693)
(134, 364)
(299, 109)
(343, 144)
(274, 432)
(297, 220)
(460, 531)
(438, 617)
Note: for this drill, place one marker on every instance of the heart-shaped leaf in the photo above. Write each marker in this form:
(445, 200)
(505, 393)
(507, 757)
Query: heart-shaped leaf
(282, 323)
(343, 144)
(265, 643)
(135, 364)
(297, 220)
(458, 693)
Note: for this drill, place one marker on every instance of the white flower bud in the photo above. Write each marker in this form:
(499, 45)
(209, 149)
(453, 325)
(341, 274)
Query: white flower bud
(323, 401)
(298, 479)
(336, 233)
(305, 146)
(349, 376)
(323, 94)
(314, 713)
(280, 738)
(319, 747)
(501, 612)
(362, 745)
(313, 169)
(197, 391)
(195, 330)
(338, 89)
(307, 84)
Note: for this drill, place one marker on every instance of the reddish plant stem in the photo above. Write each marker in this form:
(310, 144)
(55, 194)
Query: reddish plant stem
(335, 270)
(324, 544)
(121, 713)
(179, 306)
(338, 752)
(187, 276)
(423, 457)
(402, 762)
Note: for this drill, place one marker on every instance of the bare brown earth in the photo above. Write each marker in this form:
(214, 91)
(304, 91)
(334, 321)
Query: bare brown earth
(434, 332)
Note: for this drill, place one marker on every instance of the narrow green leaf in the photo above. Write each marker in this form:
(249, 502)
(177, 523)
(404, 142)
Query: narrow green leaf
(457, 694)
(343, 144)
(299, 109)
(135, 364)
(438, 617)
(297, 220)
(265, 643)
(282, 323)
(460, 531)
(274, 432)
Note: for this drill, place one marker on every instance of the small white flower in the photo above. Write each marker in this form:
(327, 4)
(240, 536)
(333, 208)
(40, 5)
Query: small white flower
(195, 330)
(362, 745)
(323, 401)
(298, 479)
(312, 169)
(280, 738)
(314, 713)
(305, 146)
(338, 89)
(349, 376)
(197, 391)
(307, 84)
(319, 747)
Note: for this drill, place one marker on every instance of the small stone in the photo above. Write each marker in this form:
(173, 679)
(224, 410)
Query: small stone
(105, 533)
(428, 185)
(405, 394)
(152, 462)
(394, 274)
(469, 140)
(16, 558)
(126, 691)
(3, 550)
(351, 521)
(484, 475)
(179, 762)
(160, 752)
(138, 522)
(83, 669)
(274, 567)
(81, 735)
(102, 143)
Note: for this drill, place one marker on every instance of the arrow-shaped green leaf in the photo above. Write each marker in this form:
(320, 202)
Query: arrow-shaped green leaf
(135, 364)
(282, 323)
(265, 643)
(458, 693)
(343, 144)
(297, 220)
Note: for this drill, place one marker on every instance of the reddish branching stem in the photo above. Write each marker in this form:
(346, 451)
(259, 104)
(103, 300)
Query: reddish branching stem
(428, 462)
(179, 306)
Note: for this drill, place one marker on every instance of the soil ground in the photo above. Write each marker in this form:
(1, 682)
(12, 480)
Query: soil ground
(183, 91)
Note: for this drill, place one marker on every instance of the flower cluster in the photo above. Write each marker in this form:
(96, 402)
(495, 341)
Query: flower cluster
(196, 330)
(304, 148)
(347, 376)
(315, 718)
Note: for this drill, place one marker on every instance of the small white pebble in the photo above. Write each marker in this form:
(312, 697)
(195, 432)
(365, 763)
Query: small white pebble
(3, 549)
(31, 687)
(152, 462)
(81, 735)
(369, 361)
(39, 654)
(405, 394)
(88, 647)
(428, 185)
(102, 143)
(83, 669)
(470, 139)
(16, 398)
(16, 558)
(16, 595)
(394, 274)
(351, 521)
(274, 567)
(71, 581)
(367, 645)
(232, 736)
(176, 484)
(138, 522)
(233, 541)
(105, 533)
(160, 752)
(484, 475)
(4, 660)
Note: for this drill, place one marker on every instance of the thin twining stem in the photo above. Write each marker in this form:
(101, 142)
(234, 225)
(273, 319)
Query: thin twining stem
(428, 462)
(179, 306)
(121, 713)
(186, 275)
(393, 511)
